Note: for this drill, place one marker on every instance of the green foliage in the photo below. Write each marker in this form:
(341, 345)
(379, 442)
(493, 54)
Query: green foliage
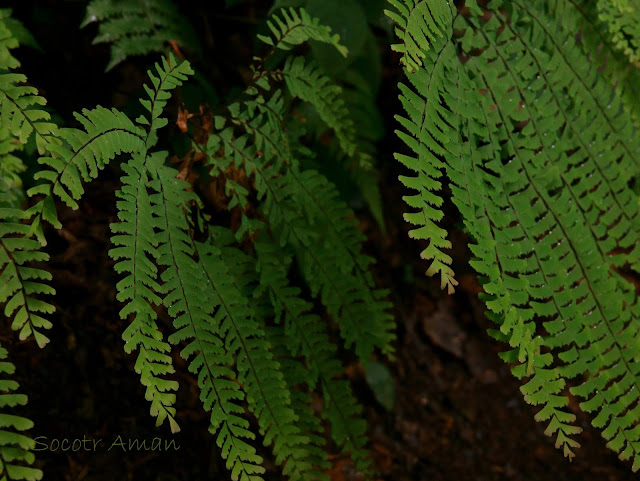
(295, 27)
(15, 447)
(20, 117)
(621, 18)
(537, 142)
(250, 335)
(138, 27)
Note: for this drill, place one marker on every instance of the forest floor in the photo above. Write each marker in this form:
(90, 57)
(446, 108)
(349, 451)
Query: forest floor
(458, 414)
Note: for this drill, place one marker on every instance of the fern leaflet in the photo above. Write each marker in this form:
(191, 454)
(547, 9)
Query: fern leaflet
(15, 447)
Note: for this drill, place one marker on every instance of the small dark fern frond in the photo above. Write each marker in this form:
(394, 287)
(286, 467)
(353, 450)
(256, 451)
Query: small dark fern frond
(138, 27)
(304, 335)
(306, 81)
(294, 27)
(16, 456)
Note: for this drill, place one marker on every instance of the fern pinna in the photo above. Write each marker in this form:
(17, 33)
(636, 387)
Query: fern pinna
(250, 336)
(538, 142)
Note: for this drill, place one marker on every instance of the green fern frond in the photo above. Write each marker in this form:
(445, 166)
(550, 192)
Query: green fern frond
(304, 335)
(170, 75)
(310, 425)
(419, 24)
(539, 150)
(19, 283)
(138, 27)
(595, 37)
(19, 103)
(306, 81)
(137, 245)
(136, 252)
(258, 372)
(191, 305)
(294, 27)
(622, 20)
(426, 134)
(19, 119)
(80, 157)
(304, 210)
(16, 456)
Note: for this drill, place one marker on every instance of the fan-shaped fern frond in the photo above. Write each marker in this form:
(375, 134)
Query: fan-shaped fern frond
(294, 27)
(539, 150)
(138, 27)
(15, 448)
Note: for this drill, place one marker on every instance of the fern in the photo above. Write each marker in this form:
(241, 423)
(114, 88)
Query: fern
(138, 27)
(538, 149)
(294, 27)
(621, 18)
(223, 301)
(15, 447)
(20, 118)
(304, 335)
(137, 248)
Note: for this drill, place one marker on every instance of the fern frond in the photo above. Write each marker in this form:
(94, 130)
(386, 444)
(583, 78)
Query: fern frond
(539, 151)
(303, 208)
(20, 104)
(427, 132)
(305, 336)
(19, 284)
(191, 306)
(419, 24)
(622, 20)
(19, 118)
(259, 373)
(310, 425)
(16, 448)
(136, 252)
(138, 27)
(294, 27)
(81, 156)
(168, 76)
(137, 245)
(306, 81)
